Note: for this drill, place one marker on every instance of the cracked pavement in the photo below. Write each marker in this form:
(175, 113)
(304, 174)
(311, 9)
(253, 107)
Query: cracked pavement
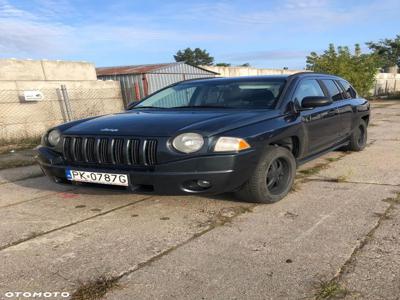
(342, 224)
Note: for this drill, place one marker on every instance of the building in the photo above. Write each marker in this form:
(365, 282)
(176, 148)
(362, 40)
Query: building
(249, 71)
(141, 80)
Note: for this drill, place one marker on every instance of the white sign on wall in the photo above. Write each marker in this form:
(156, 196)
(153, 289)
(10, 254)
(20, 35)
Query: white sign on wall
(33, 96)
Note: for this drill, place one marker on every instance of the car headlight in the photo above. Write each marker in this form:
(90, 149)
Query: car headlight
(53, 137)
(225, 144)
(188, 142)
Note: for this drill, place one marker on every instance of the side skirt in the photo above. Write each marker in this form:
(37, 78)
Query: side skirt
(314, 156)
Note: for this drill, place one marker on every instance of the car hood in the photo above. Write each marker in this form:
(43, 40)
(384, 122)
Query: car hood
(169, 122)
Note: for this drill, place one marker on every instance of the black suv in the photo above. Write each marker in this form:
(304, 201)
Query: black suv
(245, 134)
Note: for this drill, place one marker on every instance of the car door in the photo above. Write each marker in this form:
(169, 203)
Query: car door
(345, 107)
(320, 123)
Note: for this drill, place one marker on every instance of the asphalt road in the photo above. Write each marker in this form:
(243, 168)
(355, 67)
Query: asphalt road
(337, 234)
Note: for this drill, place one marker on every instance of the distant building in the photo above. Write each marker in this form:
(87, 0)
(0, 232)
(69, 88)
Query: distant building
(141, 80)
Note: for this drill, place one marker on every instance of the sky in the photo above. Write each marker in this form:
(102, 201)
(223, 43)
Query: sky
(266, 34)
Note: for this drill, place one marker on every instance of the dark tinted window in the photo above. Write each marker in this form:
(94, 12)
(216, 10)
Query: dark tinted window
(306, 88)
(350, 92)
(333, 90)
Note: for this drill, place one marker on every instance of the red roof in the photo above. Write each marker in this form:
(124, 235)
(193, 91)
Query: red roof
(135, 69)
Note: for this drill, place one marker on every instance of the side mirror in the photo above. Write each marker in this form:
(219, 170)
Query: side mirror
(315, 101)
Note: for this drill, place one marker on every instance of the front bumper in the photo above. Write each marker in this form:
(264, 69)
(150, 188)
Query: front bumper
(225, 172)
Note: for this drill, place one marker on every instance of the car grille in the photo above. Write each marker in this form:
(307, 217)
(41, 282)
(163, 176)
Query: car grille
(114, 151)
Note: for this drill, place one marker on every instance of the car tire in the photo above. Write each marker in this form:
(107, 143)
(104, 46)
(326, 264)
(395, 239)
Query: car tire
(272, 179)
(358, 139)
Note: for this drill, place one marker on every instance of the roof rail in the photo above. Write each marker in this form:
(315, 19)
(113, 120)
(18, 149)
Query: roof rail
(311, 73)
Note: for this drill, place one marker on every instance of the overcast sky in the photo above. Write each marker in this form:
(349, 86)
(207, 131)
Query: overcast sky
(271, 34)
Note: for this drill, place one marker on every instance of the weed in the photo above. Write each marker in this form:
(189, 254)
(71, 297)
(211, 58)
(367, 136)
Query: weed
(332, 159)
(313, 170)
(330, 290)
(95, 289)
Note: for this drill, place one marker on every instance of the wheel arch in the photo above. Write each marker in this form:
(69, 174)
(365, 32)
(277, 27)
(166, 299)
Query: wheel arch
(292, 143)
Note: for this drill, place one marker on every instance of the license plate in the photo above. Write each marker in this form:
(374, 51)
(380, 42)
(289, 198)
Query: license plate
(97, 177)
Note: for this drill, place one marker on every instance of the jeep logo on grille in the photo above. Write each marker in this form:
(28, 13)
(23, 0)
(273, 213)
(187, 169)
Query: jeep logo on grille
(109, 129)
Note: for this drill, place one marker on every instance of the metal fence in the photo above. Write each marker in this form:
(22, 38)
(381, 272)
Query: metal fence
(22, 121)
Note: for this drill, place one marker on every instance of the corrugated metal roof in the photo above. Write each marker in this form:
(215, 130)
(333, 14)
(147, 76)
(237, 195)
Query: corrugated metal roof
(140, 69)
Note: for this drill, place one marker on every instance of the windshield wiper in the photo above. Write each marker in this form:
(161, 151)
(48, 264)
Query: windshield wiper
(135, 107)
(202, 106)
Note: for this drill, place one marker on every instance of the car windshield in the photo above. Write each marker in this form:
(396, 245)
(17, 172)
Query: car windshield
(217, 94)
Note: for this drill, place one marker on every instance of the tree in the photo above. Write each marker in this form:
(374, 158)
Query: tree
(359, 69)
(388, 51)
(245, 65)
(222, 65)
(194, 57)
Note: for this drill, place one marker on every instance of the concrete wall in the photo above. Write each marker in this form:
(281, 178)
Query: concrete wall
(248, 71)
(12, 69)
(386, 83)
(88, 96)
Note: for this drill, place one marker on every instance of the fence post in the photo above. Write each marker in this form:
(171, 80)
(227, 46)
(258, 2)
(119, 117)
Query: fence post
(67, 104)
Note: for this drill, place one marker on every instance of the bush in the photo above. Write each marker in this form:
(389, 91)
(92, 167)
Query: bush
(359, 69)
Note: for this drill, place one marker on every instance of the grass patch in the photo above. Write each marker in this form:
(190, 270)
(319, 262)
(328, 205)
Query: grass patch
(95, 289)
(18, 144)
(313, 170)
(332, 159)
(330, 290)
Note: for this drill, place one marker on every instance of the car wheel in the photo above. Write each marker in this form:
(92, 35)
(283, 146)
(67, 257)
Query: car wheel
(272, 179)
(358, 139)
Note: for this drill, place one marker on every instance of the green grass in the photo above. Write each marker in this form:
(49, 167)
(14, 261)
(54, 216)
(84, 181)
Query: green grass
(330, 290)
(313, 170)
(95, 289)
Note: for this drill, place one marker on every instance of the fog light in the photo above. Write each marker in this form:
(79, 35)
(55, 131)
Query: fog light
(203, 183)
(196, 185)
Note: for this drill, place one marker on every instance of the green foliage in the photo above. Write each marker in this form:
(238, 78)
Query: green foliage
(387, 50)
(194, 57)
(359, 69)
(222, 65)
(245, 65)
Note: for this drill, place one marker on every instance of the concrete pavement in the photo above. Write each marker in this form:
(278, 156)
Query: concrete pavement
(336, 235)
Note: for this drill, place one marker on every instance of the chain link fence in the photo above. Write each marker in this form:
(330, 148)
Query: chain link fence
(23, 122)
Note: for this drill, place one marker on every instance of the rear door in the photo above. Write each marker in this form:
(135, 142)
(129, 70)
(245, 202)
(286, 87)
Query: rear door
(321, 123)
(347, 106)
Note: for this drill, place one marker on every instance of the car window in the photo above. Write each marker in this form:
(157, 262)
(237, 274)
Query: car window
(333, 90)
(349, 90)
(307, 88)
(172, 97)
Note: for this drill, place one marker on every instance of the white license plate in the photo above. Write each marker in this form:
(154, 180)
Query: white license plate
(97, 177)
